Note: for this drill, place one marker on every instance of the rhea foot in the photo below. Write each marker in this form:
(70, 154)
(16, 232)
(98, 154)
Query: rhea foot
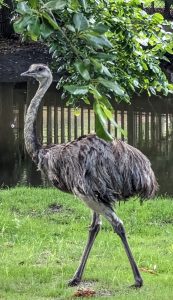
(74, 281)
(138, 284)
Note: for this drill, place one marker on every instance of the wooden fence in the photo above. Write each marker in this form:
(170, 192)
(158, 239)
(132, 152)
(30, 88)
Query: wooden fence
(148, 122)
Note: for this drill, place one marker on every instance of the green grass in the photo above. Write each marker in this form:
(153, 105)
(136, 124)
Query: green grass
(40, 249)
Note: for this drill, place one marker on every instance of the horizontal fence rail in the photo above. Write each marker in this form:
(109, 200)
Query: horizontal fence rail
(147, 124)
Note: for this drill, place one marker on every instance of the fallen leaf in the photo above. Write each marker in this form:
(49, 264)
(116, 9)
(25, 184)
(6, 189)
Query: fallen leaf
(84, 293)
(148, 271)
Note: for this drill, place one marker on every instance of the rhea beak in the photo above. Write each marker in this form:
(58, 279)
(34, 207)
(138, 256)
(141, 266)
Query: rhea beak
(27, 73)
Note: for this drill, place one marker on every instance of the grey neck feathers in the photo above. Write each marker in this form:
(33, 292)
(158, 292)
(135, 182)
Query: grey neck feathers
(31, 141)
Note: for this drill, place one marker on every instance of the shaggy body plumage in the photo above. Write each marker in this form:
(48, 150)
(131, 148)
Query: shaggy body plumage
(101, 171)
(98, 172)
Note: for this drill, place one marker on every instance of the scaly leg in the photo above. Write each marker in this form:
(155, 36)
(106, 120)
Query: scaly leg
(119, 229)
(93, 231)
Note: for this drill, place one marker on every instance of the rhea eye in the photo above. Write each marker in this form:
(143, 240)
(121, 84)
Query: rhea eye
(40, 69)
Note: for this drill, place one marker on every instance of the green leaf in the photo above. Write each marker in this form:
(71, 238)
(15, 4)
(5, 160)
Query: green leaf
(34, 29)
(22, 23)
(86, 100)
(142, 41)
(51, 21)
(105, 70)
(152, 90)
(46, 30)
(101, 123)
(103, 110)
(169, 49)
(104, 100)
(33, 3)
(112, 85)
(81, 68)
(52, 48)
(101, 130)
(144, 65)
(55, 54)
(55, 4)
(136, 83)
(100, 28)
(98, 41)
(23, 8)
(154, 68)
(106, 56)
(84, 4)
(97, 65)
(109, 115)
(166, 59)
(76, 90)
(95, 92)
(157, 18)
(73, 5)
(70, 27)
(80, 22)
(107, 112)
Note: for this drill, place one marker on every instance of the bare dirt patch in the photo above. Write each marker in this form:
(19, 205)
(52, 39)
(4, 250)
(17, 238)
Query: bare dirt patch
(89, 289)
(17, 56)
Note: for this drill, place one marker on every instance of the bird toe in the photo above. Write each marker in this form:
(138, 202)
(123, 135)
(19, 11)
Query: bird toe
(138, 284)
(73, 282)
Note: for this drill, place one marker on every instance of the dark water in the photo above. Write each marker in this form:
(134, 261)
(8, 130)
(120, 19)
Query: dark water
(148, 121)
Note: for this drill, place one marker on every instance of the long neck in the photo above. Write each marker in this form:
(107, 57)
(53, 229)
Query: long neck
(31, 141)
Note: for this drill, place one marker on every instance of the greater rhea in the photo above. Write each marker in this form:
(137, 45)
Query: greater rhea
(98, 172)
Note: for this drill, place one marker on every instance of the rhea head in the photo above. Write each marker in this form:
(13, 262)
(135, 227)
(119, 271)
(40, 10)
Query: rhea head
(40, 72)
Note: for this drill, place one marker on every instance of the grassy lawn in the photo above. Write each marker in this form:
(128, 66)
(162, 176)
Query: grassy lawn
(41, 244)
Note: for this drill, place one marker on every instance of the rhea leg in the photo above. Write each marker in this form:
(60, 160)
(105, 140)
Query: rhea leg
(118, 227)
(93, 231)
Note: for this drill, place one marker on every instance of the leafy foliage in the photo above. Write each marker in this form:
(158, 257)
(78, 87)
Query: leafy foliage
(105, 49)
(1, 3)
